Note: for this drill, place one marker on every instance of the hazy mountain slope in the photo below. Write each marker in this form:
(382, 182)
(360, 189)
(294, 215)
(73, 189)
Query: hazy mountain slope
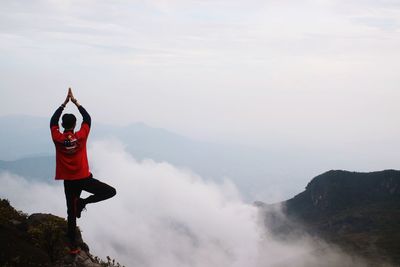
(250, 168)
(41, 168)
(358, 211)
(24, 136)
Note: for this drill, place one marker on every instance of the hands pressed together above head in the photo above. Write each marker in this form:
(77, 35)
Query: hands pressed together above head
(70, 96)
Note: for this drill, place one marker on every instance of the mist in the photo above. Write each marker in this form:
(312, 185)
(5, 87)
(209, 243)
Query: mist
(170, 217)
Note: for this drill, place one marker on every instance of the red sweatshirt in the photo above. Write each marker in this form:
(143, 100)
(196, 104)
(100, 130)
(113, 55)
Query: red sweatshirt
(71, 156)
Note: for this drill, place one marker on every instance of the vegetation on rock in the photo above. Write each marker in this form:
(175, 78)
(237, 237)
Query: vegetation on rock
(359, 212)
(40, 240)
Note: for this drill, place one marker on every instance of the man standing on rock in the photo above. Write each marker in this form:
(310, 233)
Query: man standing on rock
(72, 166)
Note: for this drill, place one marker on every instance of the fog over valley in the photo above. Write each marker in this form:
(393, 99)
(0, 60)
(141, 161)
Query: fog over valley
(166, 216)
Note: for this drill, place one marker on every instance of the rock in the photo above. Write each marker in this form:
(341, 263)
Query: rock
(39, 240)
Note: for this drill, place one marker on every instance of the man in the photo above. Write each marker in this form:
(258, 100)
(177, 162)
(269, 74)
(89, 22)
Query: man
(72, 166)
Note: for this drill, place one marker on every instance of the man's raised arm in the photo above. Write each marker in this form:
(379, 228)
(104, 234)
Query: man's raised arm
(85, 115)
(57, 114)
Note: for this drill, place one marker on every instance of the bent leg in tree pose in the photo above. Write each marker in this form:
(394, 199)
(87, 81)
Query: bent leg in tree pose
(72, 165)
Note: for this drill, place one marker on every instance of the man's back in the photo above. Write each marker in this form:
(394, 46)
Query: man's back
(71, 155)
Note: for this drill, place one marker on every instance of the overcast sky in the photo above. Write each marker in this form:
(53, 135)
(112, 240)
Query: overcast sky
(255, 72)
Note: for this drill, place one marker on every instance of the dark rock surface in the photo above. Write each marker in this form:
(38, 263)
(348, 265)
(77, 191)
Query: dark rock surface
(39, 240)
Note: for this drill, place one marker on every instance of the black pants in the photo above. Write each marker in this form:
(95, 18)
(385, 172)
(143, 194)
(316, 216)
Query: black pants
(73, 189)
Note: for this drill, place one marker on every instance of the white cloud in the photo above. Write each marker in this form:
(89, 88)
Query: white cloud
(164, 216)
(32, 197)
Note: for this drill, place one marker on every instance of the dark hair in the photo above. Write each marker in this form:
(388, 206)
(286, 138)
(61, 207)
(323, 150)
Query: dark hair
(68, 121)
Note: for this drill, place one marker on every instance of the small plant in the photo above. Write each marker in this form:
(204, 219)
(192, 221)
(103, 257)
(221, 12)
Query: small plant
(110, 262)
(8, 213)
(49, 236)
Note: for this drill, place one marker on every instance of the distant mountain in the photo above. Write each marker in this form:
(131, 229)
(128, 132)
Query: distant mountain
(40, 240)
(360, 212)
(41, 168)
(27, 150)
(24, 136)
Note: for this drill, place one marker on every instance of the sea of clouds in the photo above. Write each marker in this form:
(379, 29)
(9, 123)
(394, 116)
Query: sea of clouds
(163, 216)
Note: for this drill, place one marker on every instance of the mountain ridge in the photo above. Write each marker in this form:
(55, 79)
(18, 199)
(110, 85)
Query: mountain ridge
(359, 212)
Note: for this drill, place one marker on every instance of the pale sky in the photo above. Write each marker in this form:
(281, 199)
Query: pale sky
(303, 73)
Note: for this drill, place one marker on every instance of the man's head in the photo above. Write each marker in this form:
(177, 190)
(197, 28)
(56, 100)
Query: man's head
(68, 121)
